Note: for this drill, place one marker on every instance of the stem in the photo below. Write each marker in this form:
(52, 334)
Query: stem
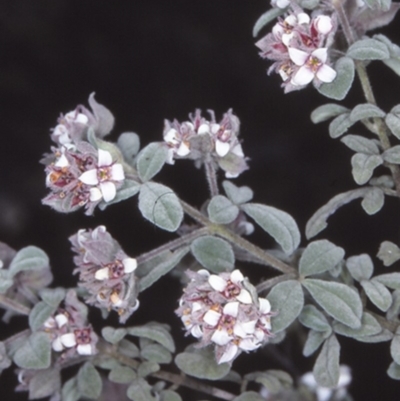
(15, 306)
(211, 176)
(265, 285)
(239, 241)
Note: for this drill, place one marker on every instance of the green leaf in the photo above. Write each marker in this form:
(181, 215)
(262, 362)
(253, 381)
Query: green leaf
(151, 160)
(360, 144)
(161, 206)
(6, 281)
(389, 253)
(39, 314)
(314, 341)
(35, 353)
(368, 49)
(201, 364)
(249, 396)
(128, 189)
(44, 383)
(128, 348)
(394, 61)
(365, 111)
(287, 299)
(154, 332)
(340, 86)
(320, 256)
(314, 319)
(221, 210)
(169, 395)
(70, 390)
(338, 300)
(391, 280)
(369, 327)
(384, 335)
(213, 253)
(89, 381)
(364, 166)
(29, 258)
(394, 309)
(394, 371)
(340, 125)
(156, 353)
(266, 18)
(280, 225)
(129, 144)
(326, 368)
(270, 382)
(52, 296)
(383, 5)
(237, 195)
(360, 267)
(377, 293)
(122, 375)
(392, 155)
(393, 121)
(147, 368)
(373, 201)
(140, 390)
(327, 111)
(113, 336)
(395, 347)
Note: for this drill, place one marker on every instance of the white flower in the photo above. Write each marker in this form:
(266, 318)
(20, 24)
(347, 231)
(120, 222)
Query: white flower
(323, 24)
(103, 177)
(311, 65)
(129, 265)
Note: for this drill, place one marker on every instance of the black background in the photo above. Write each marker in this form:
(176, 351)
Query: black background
(155, 59)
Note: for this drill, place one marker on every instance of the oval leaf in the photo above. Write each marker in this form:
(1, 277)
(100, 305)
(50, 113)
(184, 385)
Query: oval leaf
(388, 253)
(154, 332)
(314, 319)
(265, 18)
(369, 327)
(392, 155)
(366, 110)
(373, 201)
(314, 341)
(360, 267)
(368, 49)
(340, 125)
(35, 353)
(364, 166)
(360, 144)
(378, 294)
(151, 160)
(221, 210)
(140, 390)
(326, 369)
(29, 258)
(89, 381)
(237, 195)
(327, 111)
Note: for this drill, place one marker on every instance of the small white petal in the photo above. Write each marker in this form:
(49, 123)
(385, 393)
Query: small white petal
(277, 30)
(249, 327)
(309, 380)
(244, 297)
(68, 340)
(102, 274)
(170, 157)
(229, 354)
(215, 128)
(259, 335)
(89, 177)
(303, 76)
(57, 345)
(326, 73)
(105, 158)
(81, 119)
(203, 129)
(265, 306)
(221, 337)
(266, 323)
(196, 306)
(203, 272)
(171, 137)
(291, 20)
(303, 18)
(84, 349)
(237, 150)
(282, 3)
(221, 148)
(323, 24)
(217, 283)
(345, 376)
(231, 309)
(50, 323)
(130, 265)
(95, 194)
(248, 344)
(212, 317)
(183, 150)
(117, 172)
(62, 161)
(108, 190)
(321, 54)
(286, 38)
(236, 277)
(323, 393)
(196, 331)
(61, 320)
(299, 57)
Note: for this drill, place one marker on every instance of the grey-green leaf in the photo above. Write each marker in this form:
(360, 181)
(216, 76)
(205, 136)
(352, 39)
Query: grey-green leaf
(70, 390)
(161, 206)
(364, 166)
(373, 201)
(156, 333)
(147, 368)
(140, 390)
(128, 189)
(156, 353)
(122, 375)
(201, 364)
(360, 267)
(266, 18)
(35, 353)
(89, 381)
(320, 256)
(394, 371)
(237, 195)
(169, 395)
(326, 368)
(338, 300)
(44, 383)
(221, 210)
(280, 225)
(368, 49)
(383, 5)
(327, 111)
(340, 125)
(287, 299)
(360, 144)
(52, 296)
(39, 314)
(392, 155)
(340, 86)
(378, 294)
(112, 335)
(213, 253)
(314, 319)
(393, 122)
(314, 341)
(29, 258)
(151, 160)
(382, 336)
(365, 111)
(369, 327)
(389, 253)
(129, 144)
(395, 347)
(391, 280)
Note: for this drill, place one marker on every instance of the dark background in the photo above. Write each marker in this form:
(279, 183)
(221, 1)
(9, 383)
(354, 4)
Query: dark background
(155, 59)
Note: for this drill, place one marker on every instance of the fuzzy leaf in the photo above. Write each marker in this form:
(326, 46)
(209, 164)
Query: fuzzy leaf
(360, 144)
(156, 353)
(201, 364)
(280, 225)
(393, 122)
(128, 189)
(52, 296)
(340, 125)
(213, 253)
(265, 19)
(70, 390)
(326, 368)
(314, 319)
(140, 390)
(6, 281)
(364, 166)
(365, 111)
(368, 49)
(221, 210)
(161, 206)
(169, 395)
(395, 347)
(128, 348)
(320, 256)
(384, 335)
(270, 382)
(161, 269)
(394, 371)
(35, 353)
(44, 383)
(113, 336)
(151, 160)
(89, 381)
(369, 327)
(122, 375)
(373, 201)
(129, 144)
(378, 294)
(378, 4)
(314, 341)
(29, 258)
(154, 332)
(338, 300)
(39, 314)
(327, 111)
(237, 195)
(104, 117)
(249, 396)
(341, 85)
(360, 267)
(392, 155)
(287, 299)
(391, 280)
(389, 253)
(147, 368)
(394, 309)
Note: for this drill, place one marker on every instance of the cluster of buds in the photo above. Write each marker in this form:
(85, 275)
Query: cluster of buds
(298, 45)
(105, 272)
(69, 330)
(76, 173)
(225, 310)
(203, 140)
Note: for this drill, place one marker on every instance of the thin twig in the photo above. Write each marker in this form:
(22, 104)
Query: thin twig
(13, 305)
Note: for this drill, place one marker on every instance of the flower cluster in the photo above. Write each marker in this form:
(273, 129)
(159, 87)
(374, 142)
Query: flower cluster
(203, 140)
(69, 330)
(105, 271)
(77, 174)
(298, 45)
(225, 310)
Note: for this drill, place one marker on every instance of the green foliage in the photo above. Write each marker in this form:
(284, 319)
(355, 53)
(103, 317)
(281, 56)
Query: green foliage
(368, 49)
(326, 368)
(221, 210)
(151, 160)
(89, 381)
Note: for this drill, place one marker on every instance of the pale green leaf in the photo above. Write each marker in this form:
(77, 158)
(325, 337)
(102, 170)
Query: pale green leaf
(169, 395)
(156, 353)
(128, 189)
(314, 341)
(368, 49)
(221, 210)
(112, 335)
(391, 280)
(129, 144)
(360, 144)
(326, 368)
(35, 353)
(393, 121)
(52, 296)
(122, 375)
(384, 335)
(365, 111)
(140, 390)
(327, 111)
(389, 253)
(392, 155)
(395, 347)
(89, 381)
(237, 195)
(394, 371)
(383, 5)
(147, 368)
(360, 267)
(29, 258)
(154, 332)
(339, 125)
(369, 327)
(364, 166)
(266, 18)
(44, 383)
(373, 201)
(39, 314)
(377, 293)
(70, 390)
(314, 319)
(151, 160)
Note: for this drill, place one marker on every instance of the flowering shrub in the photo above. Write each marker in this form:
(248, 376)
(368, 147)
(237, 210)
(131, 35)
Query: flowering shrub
(317, 295)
